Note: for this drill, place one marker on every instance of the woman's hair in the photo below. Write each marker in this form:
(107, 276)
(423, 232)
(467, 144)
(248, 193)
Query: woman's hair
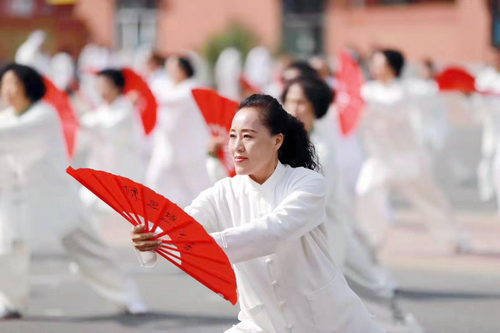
(186, 66)
(30, 79)
(316, 91)
(296, 150)
(304, 68)
(156, 58)
(116, 76)
(395, 59)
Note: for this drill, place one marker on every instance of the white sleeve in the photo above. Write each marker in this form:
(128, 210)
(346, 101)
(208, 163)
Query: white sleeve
(301, 211)
(146, 259)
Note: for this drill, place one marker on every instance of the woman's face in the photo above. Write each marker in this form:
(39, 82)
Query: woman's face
(174, 70)
(297, 104)
(379, 67)
(251, 144)
(107, 89)
(12, 90)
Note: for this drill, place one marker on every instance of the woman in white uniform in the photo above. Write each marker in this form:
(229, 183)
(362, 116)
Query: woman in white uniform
(113, 135)
(39, 202)
(396, 159)
(175, 172)
(270, 221)
(309, 99)
(114, 129)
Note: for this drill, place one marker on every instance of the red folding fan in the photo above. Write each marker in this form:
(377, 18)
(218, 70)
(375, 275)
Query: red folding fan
(456, 79)
(186, 244)
(348, 98)
(147, 101)
(218, 112)
(61, 102)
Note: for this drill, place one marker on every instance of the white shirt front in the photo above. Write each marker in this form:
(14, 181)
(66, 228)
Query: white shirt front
(275, 236)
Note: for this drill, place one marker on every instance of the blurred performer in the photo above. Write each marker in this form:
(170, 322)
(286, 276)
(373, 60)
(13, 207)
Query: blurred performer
(113, 135)
(39, 203)
(157, 77)
(324, 71)
(488, 84)
(308, 100)
(395, 159)
(115, 130)
(228, 72)
(30, 52)
(430, 121)
(275, 89)
(93, 58)
(177, 168)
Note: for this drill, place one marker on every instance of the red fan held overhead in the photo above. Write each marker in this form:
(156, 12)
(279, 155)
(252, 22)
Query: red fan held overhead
(456, 79)
(186, 244)
(348, 98)
(147, 102)
(218, 113)
(61, 102)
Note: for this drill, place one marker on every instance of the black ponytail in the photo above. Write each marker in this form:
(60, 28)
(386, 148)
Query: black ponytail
(297, 149)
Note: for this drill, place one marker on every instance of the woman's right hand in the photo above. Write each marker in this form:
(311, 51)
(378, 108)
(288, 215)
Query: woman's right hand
(143, 241)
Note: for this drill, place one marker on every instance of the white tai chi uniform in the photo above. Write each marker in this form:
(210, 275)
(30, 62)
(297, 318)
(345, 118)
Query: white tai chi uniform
(396, 160)
(274, 235)
(39, 204)
(115, 139)
(177, 169)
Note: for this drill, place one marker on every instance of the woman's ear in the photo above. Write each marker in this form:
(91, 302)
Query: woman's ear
(279, 138)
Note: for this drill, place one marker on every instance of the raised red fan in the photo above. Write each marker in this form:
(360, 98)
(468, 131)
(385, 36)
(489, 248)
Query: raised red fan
(186, 244)
(348, 98)
(147, 102)
(456, 79)
(218, 112)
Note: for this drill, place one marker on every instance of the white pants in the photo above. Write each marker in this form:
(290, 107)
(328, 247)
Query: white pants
(364, 275)
(422, 193)
(96, 266)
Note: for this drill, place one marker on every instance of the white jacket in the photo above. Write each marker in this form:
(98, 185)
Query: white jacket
(38, 200)
(274, 234)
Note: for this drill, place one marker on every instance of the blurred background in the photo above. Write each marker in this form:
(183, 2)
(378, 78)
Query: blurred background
(446, 293)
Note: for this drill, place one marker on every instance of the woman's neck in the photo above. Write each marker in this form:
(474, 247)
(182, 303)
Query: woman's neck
(261, 177)
(387, 80)
(21, 106)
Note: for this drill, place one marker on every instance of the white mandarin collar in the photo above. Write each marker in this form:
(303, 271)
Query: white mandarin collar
(271, 182)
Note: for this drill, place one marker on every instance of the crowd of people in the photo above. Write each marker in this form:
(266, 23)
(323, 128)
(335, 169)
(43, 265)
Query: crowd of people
(304, 218)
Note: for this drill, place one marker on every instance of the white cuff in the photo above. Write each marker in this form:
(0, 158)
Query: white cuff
(146, 259)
